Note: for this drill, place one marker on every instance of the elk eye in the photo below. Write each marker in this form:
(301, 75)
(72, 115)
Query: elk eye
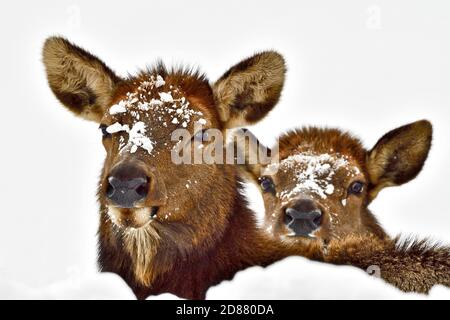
(356, 188)
(267, 184)
(105, 133)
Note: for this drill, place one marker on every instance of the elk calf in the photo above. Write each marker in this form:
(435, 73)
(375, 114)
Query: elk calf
(166, 227)
(316, 200)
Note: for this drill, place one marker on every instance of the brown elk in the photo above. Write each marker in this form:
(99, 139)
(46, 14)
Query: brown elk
(317, 196)
(167, 227)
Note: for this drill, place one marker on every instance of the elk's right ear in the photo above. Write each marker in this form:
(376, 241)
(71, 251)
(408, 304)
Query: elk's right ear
(253, 157)
(399, 156)
(249, 90)
(79, 80)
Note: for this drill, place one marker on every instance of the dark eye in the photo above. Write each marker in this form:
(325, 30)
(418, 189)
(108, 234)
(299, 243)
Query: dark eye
(356, 188)
(105, 133)
(267, 184)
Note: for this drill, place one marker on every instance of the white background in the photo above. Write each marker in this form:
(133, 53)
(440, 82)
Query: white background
(366, 66)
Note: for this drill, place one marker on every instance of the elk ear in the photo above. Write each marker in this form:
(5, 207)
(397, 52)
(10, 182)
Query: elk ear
(253, 157)
(249, 90)
(79, 80)
(399, 156)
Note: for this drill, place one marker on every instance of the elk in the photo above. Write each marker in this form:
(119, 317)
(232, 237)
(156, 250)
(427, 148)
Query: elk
(317, 197)
(165, 227)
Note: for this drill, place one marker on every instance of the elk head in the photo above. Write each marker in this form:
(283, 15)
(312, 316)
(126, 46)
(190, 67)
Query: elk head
(325, 180)
(179, 207)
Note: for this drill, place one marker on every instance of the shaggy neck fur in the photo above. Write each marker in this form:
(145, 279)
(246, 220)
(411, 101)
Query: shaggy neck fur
(153, 263)
(410, 265)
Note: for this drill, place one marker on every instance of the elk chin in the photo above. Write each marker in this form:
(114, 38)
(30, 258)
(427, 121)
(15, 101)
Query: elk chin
(132, 218)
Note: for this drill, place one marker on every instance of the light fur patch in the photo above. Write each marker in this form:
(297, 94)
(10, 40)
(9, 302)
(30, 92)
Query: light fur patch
(141, 244)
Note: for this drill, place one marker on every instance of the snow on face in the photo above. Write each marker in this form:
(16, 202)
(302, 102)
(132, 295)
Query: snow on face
(118, 108)
(137, 138)
(312, 173)
(117, 127)
(139, 105)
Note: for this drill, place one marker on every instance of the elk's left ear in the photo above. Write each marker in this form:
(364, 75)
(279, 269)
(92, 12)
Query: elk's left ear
(249, 90)
(80, 81)
(399, 156)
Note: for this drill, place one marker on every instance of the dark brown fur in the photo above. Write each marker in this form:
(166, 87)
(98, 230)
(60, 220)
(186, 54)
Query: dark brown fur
(410, 265)
(80, 81)
(248, 91)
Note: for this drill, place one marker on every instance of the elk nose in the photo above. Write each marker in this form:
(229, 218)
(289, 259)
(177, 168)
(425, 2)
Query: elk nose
(127, 185)
(303, 218)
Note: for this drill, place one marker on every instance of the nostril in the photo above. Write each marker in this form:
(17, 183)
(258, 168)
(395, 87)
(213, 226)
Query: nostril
(109, 190)
(317, 220)
(142, 189)
(288, 218)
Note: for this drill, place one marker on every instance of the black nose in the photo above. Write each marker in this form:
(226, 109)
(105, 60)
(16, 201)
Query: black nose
(303, 218)
(127, 185)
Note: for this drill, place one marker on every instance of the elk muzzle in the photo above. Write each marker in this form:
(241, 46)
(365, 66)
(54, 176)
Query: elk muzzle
(303, 218)
(127, 185)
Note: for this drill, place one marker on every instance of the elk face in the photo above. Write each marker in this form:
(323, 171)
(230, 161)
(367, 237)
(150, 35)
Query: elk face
(315, 195)
(140, 186)
(140, 182)
(325, 180)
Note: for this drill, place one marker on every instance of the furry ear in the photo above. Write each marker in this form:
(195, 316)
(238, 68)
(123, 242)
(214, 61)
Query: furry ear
(249, 90)
(399, 156)
(79, 80)
(253, 157)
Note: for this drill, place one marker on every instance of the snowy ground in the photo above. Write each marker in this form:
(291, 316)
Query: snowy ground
(290, 279)
(363, 65)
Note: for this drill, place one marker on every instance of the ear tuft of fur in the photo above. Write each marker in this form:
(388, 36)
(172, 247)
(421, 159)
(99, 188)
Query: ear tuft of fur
(249, 90)
(80, 81)
(400, 155)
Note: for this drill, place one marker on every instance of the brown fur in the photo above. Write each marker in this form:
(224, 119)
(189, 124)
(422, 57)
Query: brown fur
(249, 90)
(79, 80)
(200, 235)
(322, 140)
(399, 156)
(411, 265)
